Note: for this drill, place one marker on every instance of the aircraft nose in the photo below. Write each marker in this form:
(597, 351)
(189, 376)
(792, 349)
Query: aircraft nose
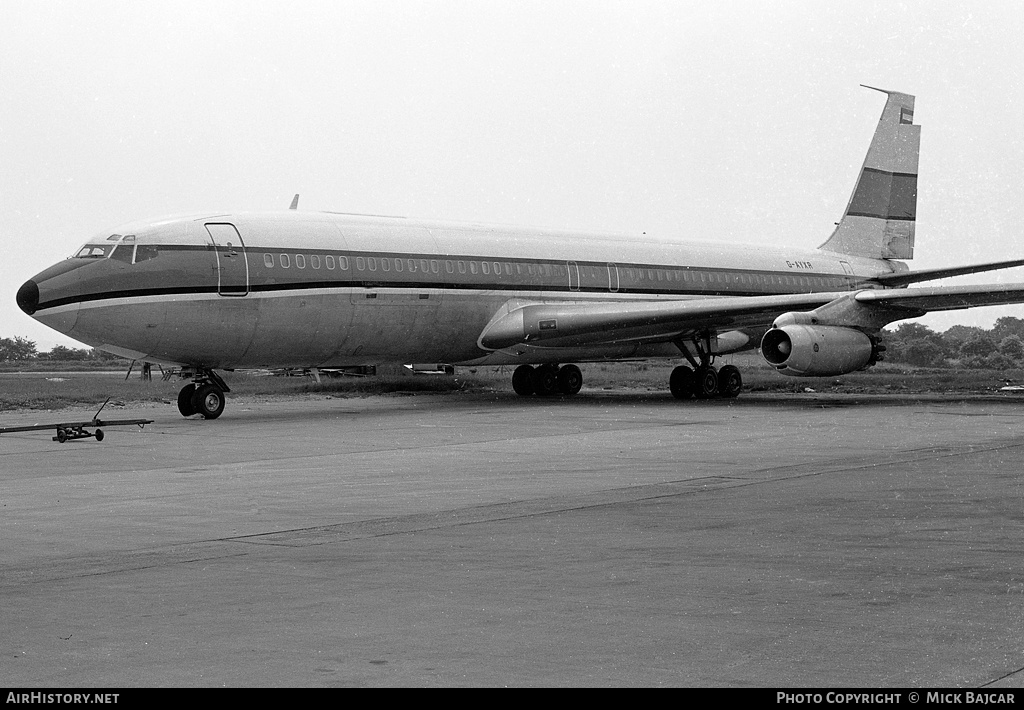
(28, 297)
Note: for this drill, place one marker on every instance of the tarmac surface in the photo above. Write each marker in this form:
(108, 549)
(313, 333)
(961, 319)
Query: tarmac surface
(614, 539)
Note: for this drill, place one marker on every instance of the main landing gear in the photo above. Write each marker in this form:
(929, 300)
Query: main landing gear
(704, 381)
(205, 395)
(547, 380)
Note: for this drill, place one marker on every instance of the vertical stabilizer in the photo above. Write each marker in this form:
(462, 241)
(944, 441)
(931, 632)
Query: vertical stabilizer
(879, 219)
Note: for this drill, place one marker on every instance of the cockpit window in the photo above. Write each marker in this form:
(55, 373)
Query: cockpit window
(95, 251)
(121, 248)
(123, 252)
(144, 252)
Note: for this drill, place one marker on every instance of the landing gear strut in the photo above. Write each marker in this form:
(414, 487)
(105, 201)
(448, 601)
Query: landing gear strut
(703, 381)
(547, 380)
(205, 395)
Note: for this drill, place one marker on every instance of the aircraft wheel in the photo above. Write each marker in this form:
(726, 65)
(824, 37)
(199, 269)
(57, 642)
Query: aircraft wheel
(680, 382)
(62, 435)
(208, 401)
(545, 380)
(99, 435)
(570, 379)
(730, 381)
(705, 383)
(522, 380)
(185, 397)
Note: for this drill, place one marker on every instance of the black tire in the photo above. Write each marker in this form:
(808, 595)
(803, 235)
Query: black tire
(705, 383)
(99, 435)
(522, 380)
(208, 401)
(545, 380)
(62, 435)
(680, 382)
(185, 397)
(730, 381)
(570, 379)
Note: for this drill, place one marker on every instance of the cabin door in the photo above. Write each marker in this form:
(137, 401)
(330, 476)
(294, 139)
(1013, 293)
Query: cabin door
(849, 274)
(232, 265)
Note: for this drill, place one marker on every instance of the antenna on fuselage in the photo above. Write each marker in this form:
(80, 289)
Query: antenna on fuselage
(295, 202)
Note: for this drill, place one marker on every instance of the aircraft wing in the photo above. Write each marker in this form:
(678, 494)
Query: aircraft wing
(571, 324)
(565, 324)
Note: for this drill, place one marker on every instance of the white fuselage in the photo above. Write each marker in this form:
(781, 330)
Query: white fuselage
(296, 289)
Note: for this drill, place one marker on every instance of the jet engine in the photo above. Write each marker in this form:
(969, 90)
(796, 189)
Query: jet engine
(818, 350)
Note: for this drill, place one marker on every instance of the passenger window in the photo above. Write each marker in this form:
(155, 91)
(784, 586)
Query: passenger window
(449, 267)
(343, 263)
(399, 265)
(434, 267)
(371, 262)
(412, 266)
(424, 266)
(329, 263)
(285, 261)
(497, 269)
(385, 264)
(462, 267)
(472, 267)
(314, 261)
(485, 267)
(360, 263)
(268, 261)
(300, 261)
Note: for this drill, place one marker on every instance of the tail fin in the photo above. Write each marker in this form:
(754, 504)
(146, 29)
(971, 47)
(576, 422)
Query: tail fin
(879, 219)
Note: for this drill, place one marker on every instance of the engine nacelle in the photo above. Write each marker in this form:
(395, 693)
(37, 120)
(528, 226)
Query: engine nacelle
(817, 350)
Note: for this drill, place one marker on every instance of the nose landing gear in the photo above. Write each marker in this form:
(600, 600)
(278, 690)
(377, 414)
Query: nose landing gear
(204, 396)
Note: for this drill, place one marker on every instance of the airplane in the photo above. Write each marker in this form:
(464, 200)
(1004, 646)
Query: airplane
(294, 288)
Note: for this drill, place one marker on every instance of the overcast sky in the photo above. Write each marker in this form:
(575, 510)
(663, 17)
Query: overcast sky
(730, 121)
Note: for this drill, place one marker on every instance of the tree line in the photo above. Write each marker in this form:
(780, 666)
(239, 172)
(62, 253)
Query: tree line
(1000, 348)
(19, 348)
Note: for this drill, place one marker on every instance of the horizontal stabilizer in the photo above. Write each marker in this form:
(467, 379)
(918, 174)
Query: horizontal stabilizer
(944, 298)
(910, 277)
